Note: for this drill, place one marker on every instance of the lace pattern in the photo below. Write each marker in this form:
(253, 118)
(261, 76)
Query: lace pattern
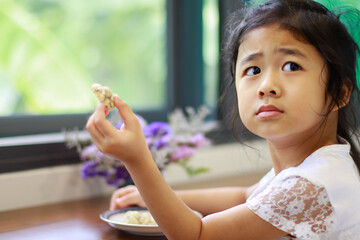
(296, 206)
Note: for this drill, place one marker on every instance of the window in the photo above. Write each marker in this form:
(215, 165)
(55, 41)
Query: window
(148, 51)
(52, 51)
(211, 43)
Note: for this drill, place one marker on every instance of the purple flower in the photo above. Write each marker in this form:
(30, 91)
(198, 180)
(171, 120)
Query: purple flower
(157, 134)
(159, 142)
(99, 155)
(102, 173)
(88, 152)
(142, 122)
(118, 125)
(182, 152)
(157, 129)
(120, 174)
(199, 140)
(162, 142)
(89, 169)
(168, 144)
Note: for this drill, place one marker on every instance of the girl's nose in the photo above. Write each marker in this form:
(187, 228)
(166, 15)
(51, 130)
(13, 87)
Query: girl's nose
(269, 88)
(267, 93)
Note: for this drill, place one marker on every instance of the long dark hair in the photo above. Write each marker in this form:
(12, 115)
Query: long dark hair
(313, 23)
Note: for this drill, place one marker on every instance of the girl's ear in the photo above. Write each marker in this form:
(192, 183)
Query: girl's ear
(345, 94)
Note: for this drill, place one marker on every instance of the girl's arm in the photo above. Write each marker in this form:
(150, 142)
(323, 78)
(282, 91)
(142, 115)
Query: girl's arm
(205, 201)
(212, 200)
(174, 217)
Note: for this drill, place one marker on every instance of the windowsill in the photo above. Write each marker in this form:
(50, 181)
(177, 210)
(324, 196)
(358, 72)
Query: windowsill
(21, 153)
(45, 138)
(64, 183)
(32, 139)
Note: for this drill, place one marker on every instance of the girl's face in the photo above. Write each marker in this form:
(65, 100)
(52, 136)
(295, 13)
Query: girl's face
(280, 84)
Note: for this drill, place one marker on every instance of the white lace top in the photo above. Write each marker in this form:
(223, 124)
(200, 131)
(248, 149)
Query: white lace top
(319, 199)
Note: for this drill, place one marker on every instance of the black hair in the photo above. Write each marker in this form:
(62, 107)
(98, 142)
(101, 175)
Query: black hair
(313, 23)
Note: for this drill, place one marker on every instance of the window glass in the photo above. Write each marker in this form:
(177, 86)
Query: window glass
(211, 51)
(51, 51)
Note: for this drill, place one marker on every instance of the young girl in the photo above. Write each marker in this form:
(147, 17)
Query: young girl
(293, 65)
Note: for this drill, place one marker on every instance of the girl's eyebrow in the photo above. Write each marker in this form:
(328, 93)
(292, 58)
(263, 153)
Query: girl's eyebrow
(250, 57)
(291, 51)
(285, 51)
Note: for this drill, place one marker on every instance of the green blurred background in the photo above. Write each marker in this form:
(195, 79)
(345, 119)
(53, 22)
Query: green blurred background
(51, 51)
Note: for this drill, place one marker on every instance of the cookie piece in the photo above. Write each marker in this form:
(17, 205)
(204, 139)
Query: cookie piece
(104, 94)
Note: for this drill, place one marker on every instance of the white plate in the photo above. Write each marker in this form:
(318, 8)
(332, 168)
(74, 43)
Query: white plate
(115, 219)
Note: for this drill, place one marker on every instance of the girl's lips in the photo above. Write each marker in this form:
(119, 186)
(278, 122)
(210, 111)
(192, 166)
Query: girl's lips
(268, 111)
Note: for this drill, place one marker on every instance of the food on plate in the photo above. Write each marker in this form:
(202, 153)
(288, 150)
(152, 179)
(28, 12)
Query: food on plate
(139, 217)
(104, 94)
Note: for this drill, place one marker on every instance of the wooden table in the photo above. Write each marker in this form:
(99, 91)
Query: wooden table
(78, 220)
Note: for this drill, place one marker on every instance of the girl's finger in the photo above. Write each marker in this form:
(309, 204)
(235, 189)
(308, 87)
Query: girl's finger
(118, 194)
(125, 111)
(96, 137)
(123, 202)
(122, 191)
(130, 199)
(93, 130)
(100, 122)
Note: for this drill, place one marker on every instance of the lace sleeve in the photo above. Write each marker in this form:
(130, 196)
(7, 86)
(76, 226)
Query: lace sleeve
(296, 206)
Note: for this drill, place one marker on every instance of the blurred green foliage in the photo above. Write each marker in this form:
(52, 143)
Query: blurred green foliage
(51, 51)
(351, 21)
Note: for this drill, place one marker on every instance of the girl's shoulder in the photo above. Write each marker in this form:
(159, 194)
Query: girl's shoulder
(331, 167)
(296, 206)
(327, 183)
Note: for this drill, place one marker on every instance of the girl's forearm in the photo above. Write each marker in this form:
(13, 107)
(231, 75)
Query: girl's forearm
(211, 200)
(174, 217)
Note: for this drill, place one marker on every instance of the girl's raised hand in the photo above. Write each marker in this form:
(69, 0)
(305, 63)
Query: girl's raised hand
(127, 144)
(126, 197)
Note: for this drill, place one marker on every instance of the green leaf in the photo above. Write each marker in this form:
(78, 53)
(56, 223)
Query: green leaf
(192, 171)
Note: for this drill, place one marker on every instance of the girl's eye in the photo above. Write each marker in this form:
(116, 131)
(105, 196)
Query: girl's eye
(252, 71)
(290, 66)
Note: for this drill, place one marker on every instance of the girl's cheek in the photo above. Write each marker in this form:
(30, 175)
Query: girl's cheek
(243, 114)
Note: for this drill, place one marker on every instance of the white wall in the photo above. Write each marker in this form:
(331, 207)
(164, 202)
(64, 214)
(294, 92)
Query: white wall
(63, 183)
